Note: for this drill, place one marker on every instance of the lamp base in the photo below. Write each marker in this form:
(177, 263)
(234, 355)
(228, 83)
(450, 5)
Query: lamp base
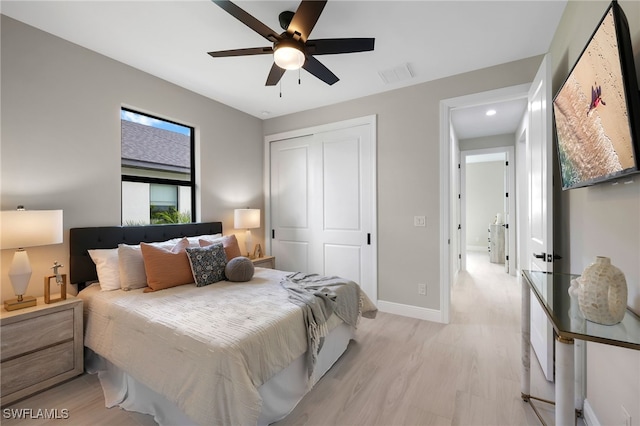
(13, 304)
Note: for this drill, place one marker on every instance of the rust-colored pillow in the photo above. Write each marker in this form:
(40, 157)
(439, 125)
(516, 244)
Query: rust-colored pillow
(166, 268)
(230, 244)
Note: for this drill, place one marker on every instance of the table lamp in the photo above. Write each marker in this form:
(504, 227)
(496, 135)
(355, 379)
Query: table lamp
(26, 228)
(247, 219)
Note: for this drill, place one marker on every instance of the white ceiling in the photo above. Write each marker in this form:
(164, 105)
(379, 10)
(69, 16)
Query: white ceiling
(169, 39)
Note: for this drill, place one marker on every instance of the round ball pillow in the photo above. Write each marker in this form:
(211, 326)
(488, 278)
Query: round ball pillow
(239, 269)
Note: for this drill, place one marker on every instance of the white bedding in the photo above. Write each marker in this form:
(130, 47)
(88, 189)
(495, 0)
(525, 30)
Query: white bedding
(207, 349)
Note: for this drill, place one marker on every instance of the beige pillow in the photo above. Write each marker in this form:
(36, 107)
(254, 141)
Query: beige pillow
(166, 268)
(230, 244)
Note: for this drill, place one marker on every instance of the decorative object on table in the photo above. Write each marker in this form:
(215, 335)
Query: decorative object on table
(61, 280)
(239, 269)
(257, 252)
(247, 219)
(602, 293)
(27, 228)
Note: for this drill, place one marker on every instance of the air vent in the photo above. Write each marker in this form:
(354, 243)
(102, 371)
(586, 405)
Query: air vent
(396, 74)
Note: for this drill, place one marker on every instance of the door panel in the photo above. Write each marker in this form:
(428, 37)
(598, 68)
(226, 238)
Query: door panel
(540, 232)
(343, 261)
(341, 177)
(293, 256)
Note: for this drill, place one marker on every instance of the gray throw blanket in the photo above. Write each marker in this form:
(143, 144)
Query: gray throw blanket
(319, 297)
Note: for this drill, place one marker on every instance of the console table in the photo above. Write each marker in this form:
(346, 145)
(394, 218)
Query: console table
(551, 290)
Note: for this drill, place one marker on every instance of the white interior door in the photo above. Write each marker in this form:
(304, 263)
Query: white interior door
(293, 208)
(540, 224)
(322, 198)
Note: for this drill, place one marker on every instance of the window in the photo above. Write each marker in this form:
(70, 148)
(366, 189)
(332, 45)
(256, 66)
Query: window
(158, 173)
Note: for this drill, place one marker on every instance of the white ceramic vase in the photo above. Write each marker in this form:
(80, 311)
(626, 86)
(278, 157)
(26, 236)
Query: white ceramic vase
(602, 294)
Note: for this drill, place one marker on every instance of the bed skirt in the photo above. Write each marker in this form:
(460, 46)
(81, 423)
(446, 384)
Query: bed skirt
(280, 394)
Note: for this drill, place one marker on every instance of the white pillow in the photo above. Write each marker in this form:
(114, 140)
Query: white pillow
(131, 270)
(195, 241)
(106, 261)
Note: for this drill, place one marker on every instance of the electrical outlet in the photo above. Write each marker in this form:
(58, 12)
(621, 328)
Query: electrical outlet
(419, 221)
(626, 417)
(422, 289)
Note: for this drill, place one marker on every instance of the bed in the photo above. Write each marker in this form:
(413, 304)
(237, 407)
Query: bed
(226, 353)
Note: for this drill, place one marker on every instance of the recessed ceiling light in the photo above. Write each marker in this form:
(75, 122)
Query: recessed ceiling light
(491, 112)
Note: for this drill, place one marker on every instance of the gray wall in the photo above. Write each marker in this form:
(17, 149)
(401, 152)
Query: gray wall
(409, 171)
(61, 139)
(484, 198)
(601, 220)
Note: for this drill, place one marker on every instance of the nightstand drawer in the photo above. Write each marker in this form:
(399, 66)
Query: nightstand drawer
(36, 367)
(30, 335)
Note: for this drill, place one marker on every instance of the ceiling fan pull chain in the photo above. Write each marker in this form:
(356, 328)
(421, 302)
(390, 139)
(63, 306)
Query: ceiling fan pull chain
(280, 87)
(298, 76)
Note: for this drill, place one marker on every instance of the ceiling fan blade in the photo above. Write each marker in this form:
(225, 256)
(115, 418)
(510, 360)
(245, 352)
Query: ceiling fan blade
(331, 46)
(305, 18)
(316, 68)
(248, 20)
(275, 75)
(242, 52)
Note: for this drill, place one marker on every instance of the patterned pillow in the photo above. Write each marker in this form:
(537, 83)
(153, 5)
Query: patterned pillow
(207, 263)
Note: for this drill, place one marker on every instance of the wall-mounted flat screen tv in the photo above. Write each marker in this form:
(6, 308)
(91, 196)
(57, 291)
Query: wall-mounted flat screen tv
(597, 110)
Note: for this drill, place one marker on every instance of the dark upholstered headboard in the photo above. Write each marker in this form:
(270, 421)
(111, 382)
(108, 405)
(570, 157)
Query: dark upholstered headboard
(83, 270)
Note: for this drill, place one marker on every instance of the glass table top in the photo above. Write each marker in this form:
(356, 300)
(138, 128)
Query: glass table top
(551, 289)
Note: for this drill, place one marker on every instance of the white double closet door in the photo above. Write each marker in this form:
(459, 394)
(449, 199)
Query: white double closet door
(322, 203)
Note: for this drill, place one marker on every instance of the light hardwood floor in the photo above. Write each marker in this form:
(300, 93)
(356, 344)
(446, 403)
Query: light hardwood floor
(400, 371)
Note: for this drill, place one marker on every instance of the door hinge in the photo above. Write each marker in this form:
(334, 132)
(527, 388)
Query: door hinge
(506, 195)
(458, 165)
(459, 226)
(459, 196)
(507, 258)
(368, 239)
(459, 256)
(506, 163)
(273, 234)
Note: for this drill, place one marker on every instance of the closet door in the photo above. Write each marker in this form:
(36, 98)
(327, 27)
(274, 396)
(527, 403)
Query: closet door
(322, 198)
(294, 208)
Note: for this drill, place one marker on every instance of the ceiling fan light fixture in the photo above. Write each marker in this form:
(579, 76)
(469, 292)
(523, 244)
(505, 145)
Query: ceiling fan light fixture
(288, 56)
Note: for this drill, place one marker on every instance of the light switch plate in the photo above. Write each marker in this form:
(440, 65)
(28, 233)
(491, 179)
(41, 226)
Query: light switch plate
(419, 221)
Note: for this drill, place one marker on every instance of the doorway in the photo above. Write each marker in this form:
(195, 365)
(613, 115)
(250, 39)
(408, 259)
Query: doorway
(487, 205)
(450, 176)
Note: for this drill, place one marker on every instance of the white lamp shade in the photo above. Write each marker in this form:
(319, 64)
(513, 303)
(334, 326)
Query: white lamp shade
(246, 218)
(30, 228)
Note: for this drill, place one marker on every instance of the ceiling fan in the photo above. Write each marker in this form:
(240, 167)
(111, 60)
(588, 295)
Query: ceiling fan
(292, 49)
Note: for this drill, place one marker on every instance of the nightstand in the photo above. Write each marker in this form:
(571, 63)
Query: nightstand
(41, 346)
(265, 262)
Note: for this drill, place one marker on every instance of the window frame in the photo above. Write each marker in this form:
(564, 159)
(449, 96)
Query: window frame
(164, 181)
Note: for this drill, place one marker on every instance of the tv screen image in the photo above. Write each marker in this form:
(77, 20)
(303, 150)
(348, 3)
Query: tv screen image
(591, 110)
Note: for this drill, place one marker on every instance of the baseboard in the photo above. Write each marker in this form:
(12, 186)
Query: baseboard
(588, 415)
(410, 311)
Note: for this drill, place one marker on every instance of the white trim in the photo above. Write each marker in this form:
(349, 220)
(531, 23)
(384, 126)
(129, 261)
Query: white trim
(410, 311)
(446, 105)
(369, 120)
(478, 248)
(590, 418)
